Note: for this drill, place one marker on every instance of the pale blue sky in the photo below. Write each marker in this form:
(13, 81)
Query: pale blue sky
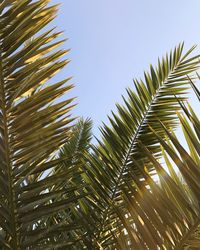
(113, 41)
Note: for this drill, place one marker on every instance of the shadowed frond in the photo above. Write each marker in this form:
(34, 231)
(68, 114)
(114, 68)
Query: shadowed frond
(70, 164)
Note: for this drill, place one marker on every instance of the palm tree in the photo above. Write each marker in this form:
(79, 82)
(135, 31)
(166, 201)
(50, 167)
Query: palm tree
(136, 188)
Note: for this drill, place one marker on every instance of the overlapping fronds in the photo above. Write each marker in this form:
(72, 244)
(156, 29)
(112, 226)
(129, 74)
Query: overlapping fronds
(33, 122)
(66, 172)
(156, 208)
(105, 196)
(118, 163)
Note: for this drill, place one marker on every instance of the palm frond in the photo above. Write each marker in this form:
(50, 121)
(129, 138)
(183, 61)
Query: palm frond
(114, 167)
(34, 123)
(159, 214)
(70, 164)
(79, 142)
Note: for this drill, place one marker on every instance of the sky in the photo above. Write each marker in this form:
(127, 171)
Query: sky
(114, 41)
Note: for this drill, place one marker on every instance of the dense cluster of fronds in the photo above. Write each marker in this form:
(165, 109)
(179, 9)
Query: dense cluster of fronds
(136, 188)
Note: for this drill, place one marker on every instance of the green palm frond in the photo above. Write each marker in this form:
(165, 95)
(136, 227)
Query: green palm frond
(150, 213)
(71, 157)
(34, 123)
(70, 164)
(79, 142)
(116, 161)
(72, 153)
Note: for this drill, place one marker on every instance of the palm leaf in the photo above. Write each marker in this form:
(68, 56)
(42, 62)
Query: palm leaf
(159, 214)
(115, 165)
(68, 167)
(34, 123)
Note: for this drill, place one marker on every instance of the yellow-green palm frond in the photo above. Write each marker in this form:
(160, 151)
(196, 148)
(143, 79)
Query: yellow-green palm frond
(34, 122)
